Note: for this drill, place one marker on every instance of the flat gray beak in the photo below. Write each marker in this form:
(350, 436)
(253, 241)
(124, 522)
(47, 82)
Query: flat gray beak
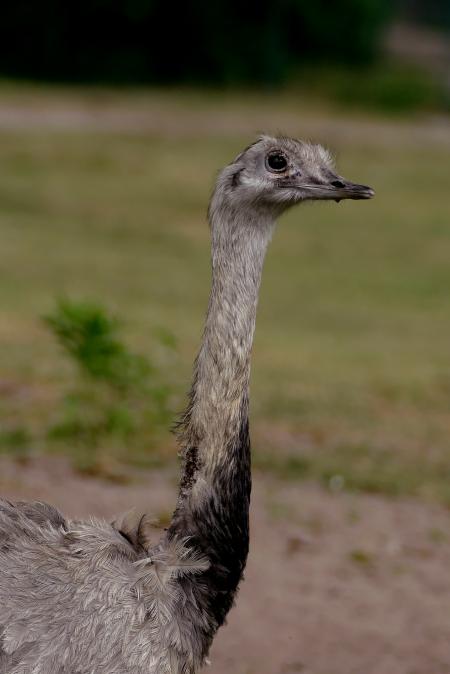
(344, 189)
(337, 188)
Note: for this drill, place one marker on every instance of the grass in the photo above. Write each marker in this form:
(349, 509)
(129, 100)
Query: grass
(365, 469)
(351, 369)
(362, 558)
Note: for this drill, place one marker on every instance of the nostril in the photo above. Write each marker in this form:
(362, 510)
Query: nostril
(338, 183)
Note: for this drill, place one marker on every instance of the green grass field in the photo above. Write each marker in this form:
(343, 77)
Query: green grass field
(351, 368)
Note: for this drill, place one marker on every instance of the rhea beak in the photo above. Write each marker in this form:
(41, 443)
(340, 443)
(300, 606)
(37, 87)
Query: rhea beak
(339, 188)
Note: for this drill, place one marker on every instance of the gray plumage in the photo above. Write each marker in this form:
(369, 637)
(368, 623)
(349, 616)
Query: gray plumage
(94, 597)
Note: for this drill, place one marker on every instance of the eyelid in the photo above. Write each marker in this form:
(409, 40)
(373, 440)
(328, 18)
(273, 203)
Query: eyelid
(272, 153)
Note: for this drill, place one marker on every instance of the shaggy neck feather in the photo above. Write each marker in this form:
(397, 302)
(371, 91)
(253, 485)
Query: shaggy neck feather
(218, 406)
(214, 497)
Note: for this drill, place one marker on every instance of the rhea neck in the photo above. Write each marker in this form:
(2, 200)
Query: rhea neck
(218, 410)
(215, 485)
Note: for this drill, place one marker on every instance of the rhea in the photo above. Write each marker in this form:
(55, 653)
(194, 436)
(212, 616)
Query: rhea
(91, 597)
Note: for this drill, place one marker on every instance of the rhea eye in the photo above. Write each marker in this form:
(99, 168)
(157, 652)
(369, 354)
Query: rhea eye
(276, 161)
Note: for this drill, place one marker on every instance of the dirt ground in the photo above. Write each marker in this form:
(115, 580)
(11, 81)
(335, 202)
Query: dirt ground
(336, 583)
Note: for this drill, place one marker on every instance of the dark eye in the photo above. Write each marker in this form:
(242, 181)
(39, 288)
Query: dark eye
(276, 161)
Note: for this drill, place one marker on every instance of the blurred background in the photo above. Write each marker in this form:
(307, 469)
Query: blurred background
(114, 119)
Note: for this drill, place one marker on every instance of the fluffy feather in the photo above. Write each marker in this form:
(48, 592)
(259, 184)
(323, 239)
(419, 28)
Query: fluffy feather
(84, 579)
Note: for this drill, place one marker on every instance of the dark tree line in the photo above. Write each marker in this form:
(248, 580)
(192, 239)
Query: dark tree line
(216, 41)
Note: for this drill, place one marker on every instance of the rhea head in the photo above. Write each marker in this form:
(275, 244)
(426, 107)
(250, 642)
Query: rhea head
(275, 173)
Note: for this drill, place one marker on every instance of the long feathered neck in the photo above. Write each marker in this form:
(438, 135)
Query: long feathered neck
(214, 496)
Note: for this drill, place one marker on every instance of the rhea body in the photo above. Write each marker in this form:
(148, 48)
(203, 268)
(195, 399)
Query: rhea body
(102, 598)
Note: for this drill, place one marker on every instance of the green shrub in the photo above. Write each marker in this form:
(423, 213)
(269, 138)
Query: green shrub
(118, 398)
(91, 338)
